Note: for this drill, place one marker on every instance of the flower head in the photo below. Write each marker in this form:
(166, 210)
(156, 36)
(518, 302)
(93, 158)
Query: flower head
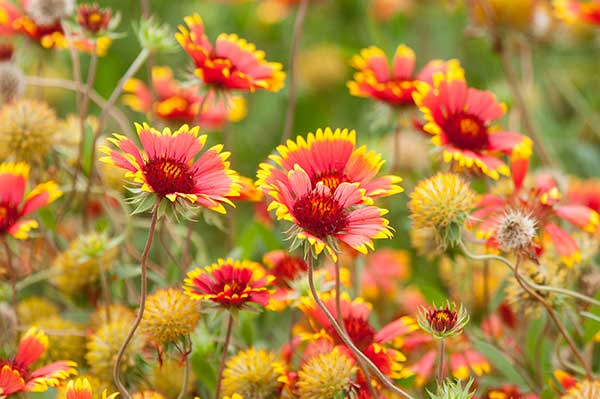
(47, 12)
(70, 343)
(254, 374)
(82, 389)
(572, 11)
(168, 376)
(585, 389)
(175, 102)
(34, 308)
(326, 375)
(230, 284)
(13, 178)
(443, 322)
(443, 203)
(16, 374)
(516, 231)
(459, 119)
(232, 63)
(92, 18)
(12, 82)
(169, 315)
(454, 390)
(383, 270)
(284, 267)
(167, 166)
(374, 78)
(507, 392)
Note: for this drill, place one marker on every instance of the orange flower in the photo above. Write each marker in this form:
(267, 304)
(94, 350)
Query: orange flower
(577, 11)
(232, 63)
(82, 389)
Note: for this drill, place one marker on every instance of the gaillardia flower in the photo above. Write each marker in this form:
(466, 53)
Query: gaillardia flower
(232, 63)
(326, 375)
(16, 374)
(330, 157)
(230, 284)
(573, 11)
(374, 78)
(82, 389)
(175, 102)
(583, 390)
(13, 178)
(92, 18)
(459, 119)
(443, 322)
(253, 373)
(167, 166)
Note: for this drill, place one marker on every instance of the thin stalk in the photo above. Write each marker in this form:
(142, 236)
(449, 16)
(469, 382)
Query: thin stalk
(440, 371)
(105, 293)
(13, 272)
(201, 108)
(186, 375)
(143, 292)
(561, 328)
(296, 36)
(397, 145)
(361, 357)
(224, 356)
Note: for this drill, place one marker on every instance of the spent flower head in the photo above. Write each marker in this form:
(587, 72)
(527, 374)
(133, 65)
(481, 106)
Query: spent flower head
(155, 37)
(454, 390)
(443, 322)
(516, 231)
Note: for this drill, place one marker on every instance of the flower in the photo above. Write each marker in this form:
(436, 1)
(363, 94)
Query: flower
(92, 18)
(169, 315)
(175, 102)
(233, 63)
(47, 12)
(16, 375)
(31, 309)
(167, 377)
(167, 166)
(118, 312)
(443, 322)
(516, 14)
(383, 270)
(441, 202)
(326, 375)
(70, 343)
(284, 267)
(147, 395)
(230, 284)
(13, 178)
(104, 344)
(454, 390)
(459, 119)
(374, 78)
(329, 156)
(508, 392)
(572, 11)
(82, 389)
(585, 389)
(253, 374)
(6, 48)
(541, 201)
(585, 192)
(12, 82)
(28, 131)
(516, 231)
(82, 263)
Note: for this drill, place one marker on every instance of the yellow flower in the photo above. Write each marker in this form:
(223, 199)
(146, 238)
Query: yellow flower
(85, 387)
(148, 395)
(65, 338)
(168, 378)
(169, 315)
(325, 375)
(116, 311)
(586, 389)
(31, 309)
(253, 374)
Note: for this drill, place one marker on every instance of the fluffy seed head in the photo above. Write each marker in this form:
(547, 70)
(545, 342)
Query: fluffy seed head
(12, 82)
(253, 374)
(516, 231)
(169, 315)
(325, 375)
(546, 273)
(49, 12)
(586, 389)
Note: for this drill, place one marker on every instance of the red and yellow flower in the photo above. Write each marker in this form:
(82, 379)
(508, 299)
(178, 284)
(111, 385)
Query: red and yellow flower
(460, 119)
(230, 284)
(16, 374)
(284, 267)
(572, 11)
(168, 166)
(375, 79)
(232, 63)
(13, 179)
(175, 102)
(585, 192)
(384, 270)
(82, 389)
(544, 203)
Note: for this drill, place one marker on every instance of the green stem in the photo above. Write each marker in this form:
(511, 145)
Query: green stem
(224, 356)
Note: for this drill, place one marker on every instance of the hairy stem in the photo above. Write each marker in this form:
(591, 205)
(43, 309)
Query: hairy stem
(224, 356)
(440, 371)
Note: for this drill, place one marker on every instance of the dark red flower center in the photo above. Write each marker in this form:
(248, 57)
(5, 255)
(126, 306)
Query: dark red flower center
(360, 331)
(320, 214)
(442, 320)
(8, 217)
(93, 18)
(287, 269)
(168, 176)
(331, 179)
(466, 132)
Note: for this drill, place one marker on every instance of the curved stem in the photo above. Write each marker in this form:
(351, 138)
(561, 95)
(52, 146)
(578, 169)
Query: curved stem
(361, 357)
(557, 322)
(144, 290)
(291, 106)
(186, 374)
(224, 356)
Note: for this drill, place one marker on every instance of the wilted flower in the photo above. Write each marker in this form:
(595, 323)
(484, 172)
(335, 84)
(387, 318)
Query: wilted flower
(82, 389)
(326, 375)
(443, 322)
(16, 374)
(168, 166)
(13, 178)
(48, 12)
(585, 389)
(253, 374)
(516, 231)
(454, 390)
(169, 315)
(12, 82)
(233, 63)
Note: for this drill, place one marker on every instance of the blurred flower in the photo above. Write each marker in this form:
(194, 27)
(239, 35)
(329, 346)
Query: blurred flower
(12, 82)
(147, 395)
(273, 11)
(385, 10)
(47, 12)
(572, 11)
(253, 374)
(375, 80)
(455, 390)
(167, 166)
(230, 284)
(542, 202)
(232, 64)
(327, 72)
(80, 264)
(13, 178)
(427, 242)
(384, 269)
(459, 119)
(508, 392)
(284, 267)
(179, 103)
(65, 338)
(326, 376)
(169, 315)
(167, 377)
(97, 388)
(28, 130)
(585, 192)
(116, 311)
(155, 37)
(6, 48)
(104, 344)
(16, 374)
(82, 389)
(33, 308)
(515, 14)
(92, 18)
(441, 202)
(443, 322)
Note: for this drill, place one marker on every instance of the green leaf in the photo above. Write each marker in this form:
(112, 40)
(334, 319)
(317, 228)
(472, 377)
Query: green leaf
(499, 360)
(534, 335)
(591, 324)
(47, 218)
(86, 156)
(498, 296)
